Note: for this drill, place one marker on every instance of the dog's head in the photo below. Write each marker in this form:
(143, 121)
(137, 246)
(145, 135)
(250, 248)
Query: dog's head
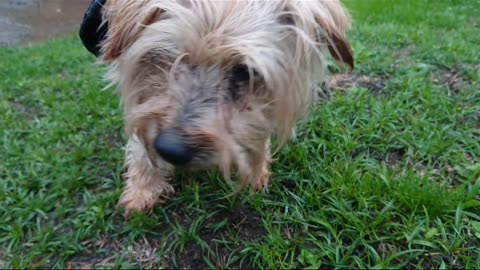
(207, 82)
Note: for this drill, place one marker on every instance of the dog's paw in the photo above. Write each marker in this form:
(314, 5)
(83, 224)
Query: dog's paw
(141, 200)
(138, 200)
(263, 179)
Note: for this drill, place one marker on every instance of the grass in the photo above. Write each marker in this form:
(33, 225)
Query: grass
(384, 174)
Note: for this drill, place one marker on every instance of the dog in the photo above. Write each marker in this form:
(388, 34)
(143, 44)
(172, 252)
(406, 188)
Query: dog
(206, 83)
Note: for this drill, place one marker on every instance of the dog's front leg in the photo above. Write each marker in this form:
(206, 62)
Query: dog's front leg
(260, 162)
(145, 182)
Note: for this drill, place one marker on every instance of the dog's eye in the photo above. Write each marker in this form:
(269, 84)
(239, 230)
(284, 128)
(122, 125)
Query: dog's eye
(241, 73)
(239, 82)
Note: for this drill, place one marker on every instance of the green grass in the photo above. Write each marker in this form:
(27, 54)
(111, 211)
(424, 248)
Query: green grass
(378, 177)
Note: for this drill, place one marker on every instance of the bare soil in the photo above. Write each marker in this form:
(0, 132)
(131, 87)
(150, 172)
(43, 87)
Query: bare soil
(345, 81)
(242, 221)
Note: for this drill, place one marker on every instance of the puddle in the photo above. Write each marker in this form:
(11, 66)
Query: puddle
(25, 21)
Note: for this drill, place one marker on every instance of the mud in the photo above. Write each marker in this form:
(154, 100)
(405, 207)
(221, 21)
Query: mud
(25, 21)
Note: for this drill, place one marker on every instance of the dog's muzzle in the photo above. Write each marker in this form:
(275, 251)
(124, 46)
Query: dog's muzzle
(171, 147)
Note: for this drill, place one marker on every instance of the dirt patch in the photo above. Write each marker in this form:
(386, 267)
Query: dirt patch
(144, 253)
(243, 222)
(451, 80)
(455, 79)
(30, 112)
(369, 152)
(107, 251)
(289, 184)
(218, 237)
(396, 157)
(24, 21)
(393, 157)
(471, 66)
(343, 82)
(405, 51)
(473, 21)
(246, 222)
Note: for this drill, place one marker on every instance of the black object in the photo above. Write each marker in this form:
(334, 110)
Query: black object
(171, 148)
(91, 33)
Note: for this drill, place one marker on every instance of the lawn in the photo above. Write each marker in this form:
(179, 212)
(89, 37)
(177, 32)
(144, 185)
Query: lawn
(385, 172)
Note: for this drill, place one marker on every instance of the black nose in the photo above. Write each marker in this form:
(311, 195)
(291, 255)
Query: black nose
(171, 148)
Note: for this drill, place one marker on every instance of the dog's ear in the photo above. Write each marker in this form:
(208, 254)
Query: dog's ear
(125, 26)
(336, 39)
(328, 21)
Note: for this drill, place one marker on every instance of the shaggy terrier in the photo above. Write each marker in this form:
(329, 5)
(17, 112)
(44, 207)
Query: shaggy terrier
(206, 83)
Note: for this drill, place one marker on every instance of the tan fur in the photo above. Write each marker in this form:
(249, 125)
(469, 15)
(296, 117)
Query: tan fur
(173, 61)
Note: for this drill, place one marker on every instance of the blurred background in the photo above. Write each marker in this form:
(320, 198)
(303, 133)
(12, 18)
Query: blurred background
(23, 21)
